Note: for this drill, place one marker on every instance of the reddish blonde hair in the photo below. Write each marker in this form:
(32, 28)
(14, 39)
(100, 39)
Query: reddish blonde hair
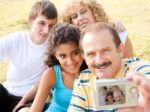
(96, 8)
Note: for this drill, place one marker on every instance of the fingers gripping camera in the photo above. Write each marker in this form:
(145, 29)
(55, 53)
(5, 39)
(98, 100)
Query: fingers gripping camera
(115, 93)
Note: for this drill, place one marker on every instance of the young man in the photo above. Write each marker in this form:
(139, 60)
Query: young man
(102, 51)
(102, 95)
(25, 51)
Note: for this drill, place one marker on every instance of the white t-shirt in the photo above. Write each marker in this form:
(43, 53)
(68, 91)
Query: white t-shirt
(26, 61)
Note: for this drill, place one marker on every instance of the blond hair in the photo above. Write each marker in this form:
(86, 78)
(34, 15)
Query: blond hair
(96, 8)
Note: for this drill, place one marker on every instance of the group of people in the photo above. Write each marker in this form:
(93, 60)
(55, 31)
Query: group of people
(68, 58)
(111, 95)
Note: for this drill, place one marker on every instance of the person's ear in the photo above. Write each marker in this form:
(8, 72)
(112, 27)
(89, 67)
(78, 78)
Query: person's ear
(30, 21)
(121, 50)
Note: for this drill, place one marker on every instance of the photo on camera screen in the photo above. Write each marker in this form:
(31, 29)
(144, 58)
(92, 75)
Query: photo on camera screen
(110, 95)
(115, 94)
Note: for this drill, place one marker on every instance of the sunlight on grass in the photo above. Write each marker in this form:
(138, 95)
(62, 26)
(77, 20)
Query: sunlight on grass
(134, 14)
(14, 15)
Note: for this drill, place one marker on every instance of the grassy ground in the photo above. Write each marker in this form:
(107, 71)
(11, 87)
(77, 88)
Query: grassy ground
(136, 17)
(133, 13)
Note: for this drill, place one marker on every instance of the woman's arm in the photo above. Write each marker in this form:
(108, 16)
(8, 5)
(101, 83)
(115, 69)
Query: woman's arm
(128, 49)
(47, 81)
(28, 96)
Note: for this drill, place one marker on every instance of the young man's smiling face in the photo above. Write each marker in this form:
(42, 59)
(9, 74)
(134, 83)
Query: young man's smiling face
(40, 28)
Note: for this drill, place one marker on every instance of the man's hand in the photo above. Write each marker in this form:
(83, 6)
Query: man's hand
(143, 84)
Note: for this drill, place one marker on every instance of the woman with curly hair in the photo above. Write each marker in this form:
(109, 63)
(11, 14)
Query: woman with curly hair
(85, 12)
(65, 63)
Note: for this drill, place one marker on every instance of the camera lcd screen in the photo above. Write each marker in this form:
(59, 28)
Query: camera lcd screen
(111, 95)
(115, 94)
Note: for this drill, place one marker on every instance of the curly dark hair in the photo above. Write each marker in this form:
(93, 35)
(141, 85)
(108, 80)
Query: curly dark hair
(61, 33)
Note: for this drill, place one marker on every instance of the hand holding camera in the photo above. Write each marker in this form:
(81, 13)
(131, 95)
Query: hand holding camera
(143, 84)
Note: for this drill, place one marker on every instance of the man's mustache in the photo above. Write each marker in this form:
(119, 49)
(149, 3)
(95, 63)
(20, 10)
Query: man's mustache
(102, 65)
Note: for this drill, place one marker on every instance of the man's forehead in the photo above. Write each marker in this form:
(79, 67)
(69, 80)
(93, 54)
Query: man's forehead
(101, 32)
(98, 36)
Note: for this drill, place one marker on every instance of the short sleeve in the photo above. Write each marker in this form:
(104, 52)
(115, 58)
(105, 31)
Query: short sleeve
(78, 100)
(123, 36)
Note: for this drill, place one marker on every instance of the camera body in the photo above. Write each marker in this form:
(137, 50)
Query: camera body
(115, 93)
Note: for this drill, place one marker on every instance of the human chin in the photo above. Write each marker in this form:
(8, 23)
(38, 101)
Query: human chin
(81, 27)
(75, 71)
(103, 75)
(43, 38)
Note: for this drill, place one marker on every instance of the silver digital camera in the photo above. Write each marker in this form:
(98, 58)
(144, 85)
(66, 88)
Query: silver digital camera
(115, 93)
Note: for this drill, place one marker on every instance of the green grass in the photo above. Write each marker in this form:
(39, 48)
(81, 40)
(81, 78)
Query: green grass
(134, 14)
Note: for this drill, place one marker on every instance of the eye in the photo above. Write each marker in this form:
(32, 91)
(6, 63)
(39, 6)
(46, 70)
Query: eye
(90, 54)
(62, 56)
(83, 11)
(51, 25)
(76, 52)
(42, 23)
(107, 50)
(74, 16)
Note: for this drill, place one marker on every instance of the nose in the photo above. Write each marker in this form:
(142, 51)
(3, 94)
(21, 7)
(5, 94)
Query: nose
(69, 61)
(46, 29)
(98, 58)
(80, 17)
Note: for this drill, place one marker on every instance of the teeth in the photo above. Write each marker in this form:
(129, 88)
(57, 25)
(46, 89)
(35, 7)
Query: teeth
(102, 67)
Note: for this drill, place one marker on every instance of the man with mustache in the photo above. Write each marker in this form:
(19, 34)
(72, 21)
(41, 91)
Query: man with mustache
(102, 51)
